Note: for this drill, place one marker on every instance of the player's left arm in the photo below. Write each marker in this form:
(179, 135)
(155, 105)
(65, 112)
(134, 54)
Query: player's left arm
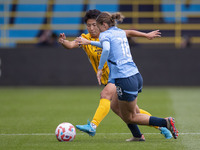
(150, 35)
(103, 59)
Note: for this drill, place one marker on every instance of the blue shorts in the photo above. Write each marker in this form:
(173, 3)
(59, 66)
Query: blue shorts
(128, 88)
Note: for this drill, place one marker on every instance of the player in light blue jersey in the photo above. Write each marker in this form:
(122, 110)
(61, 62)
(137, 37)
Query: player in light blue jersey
(120, 61)
(125, 74)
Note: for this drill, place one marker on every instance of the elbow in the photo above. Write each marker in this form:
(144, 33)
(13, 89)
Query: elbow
(68, 45)
(106, 51)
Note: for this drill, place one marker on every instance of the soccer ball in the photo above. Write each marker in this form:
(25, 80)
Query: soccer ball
(65, 132)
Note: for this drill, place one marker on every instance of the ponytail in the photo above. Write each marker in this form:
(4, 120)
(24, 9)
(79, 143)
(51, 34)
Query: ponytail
(117, 16)
(110, 19)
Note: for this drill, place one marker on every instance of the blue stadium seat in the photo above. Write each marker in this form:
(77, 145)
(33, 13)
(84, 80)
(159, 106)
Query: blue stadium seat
(1, 20)
(23, 33)
(110, 8)
(28, 20)
(66, 9)
(30, 8)
(188, 10)
(23, 7)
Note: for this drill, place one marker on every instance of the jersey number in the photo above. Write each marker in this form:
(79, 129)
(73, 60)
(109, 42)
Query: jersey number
(125, 47)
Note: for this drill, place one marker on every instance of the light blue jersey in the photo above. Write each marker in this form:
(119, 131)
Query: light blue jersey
(117, 54)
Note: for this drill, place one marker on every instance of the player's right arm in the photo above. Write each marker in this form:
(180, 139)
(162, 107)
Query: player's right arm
(66, 43)
(83, 41)
(150, 35)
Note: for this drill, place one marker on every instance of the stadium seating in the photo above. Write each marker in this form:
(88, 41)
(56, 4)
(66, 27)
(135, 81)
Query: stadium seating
(22, 21)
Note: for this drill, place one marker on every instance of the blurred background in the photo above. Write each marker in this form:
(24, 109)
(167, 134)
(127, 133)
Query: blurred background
(30, 54)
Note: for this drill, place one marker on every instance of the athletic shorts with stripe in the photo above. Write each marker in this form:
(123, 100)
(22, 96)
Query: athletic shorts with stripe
(128, 88)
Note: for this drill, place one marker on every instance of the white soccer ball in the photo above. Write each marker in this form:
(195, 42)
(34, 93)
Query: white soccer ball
(65, 132)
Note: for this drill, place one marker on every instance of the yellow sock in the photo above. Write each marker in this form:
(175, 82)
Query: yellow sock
(101, 112)
(147, 113)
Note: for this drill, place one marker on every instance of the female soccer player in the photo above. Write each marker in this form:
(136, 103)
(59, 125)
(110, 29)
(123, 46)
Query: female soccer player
(109, 91)
(125, 74)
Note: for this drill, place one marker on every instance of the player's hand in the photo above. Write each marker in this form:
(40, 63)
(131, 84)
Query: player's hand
(82, 41)
(153, 34)
(99, 74)
(61, 38)
(62, 35)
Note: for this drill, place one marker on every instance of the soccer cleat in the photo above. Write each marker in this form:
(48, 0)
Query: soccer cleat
(167, 134)
(87, 129)
(136, 139)
(171, 127)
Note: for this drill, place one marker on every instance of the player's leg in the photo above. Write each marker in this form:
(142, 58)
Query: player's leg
(104, 105)
(130, 117)
(163, 130)
(129, 85)
(114, 105)
(137, 136)
(115, 108)
(101, 112)
(120, 84)
(127, 90)
(129, 114)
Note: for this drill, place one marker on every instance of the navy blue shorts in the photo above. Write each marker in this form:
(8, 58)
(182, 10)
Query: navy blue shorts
(128, 88)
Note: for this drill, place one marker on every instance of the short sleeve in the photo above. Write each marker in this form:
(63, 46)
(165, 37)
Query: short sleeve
(83, 35)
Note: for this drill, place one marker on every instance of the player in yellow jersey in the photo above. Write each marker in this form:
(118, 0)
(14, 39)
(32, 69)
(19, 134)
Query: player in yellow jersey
(108, 95)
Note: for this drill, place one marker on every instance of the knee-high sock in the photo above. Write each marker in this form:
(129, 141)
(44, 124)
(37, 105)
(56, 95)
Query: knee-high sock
(147, 113)
(101, 112)
(134, 130)
(155, 121)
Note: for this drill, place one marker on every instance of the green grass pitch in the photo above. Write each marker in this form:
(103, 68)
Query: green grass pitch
(30, 115)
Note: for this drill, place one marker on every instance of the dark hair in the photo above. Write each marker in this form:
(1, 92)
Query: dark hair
(91, 14)
(110, 19)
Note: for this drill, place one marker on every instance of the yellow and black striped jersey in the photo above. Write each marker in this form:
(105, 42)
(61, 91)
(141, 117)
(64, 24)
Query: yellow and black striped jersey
(94, 55)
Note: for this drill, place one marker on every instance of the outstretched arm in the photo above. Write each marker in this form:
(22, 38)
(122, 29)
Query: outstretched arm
(83, 41)
(65, 43)
(150, 35)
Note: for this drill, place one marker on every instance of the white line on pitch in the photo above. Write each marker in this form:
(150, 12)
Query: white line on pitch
(83, 133)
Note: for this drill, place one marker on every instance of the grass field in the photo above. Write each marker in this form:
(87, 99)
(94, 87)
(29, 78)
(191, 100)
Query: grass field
(29, 116)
